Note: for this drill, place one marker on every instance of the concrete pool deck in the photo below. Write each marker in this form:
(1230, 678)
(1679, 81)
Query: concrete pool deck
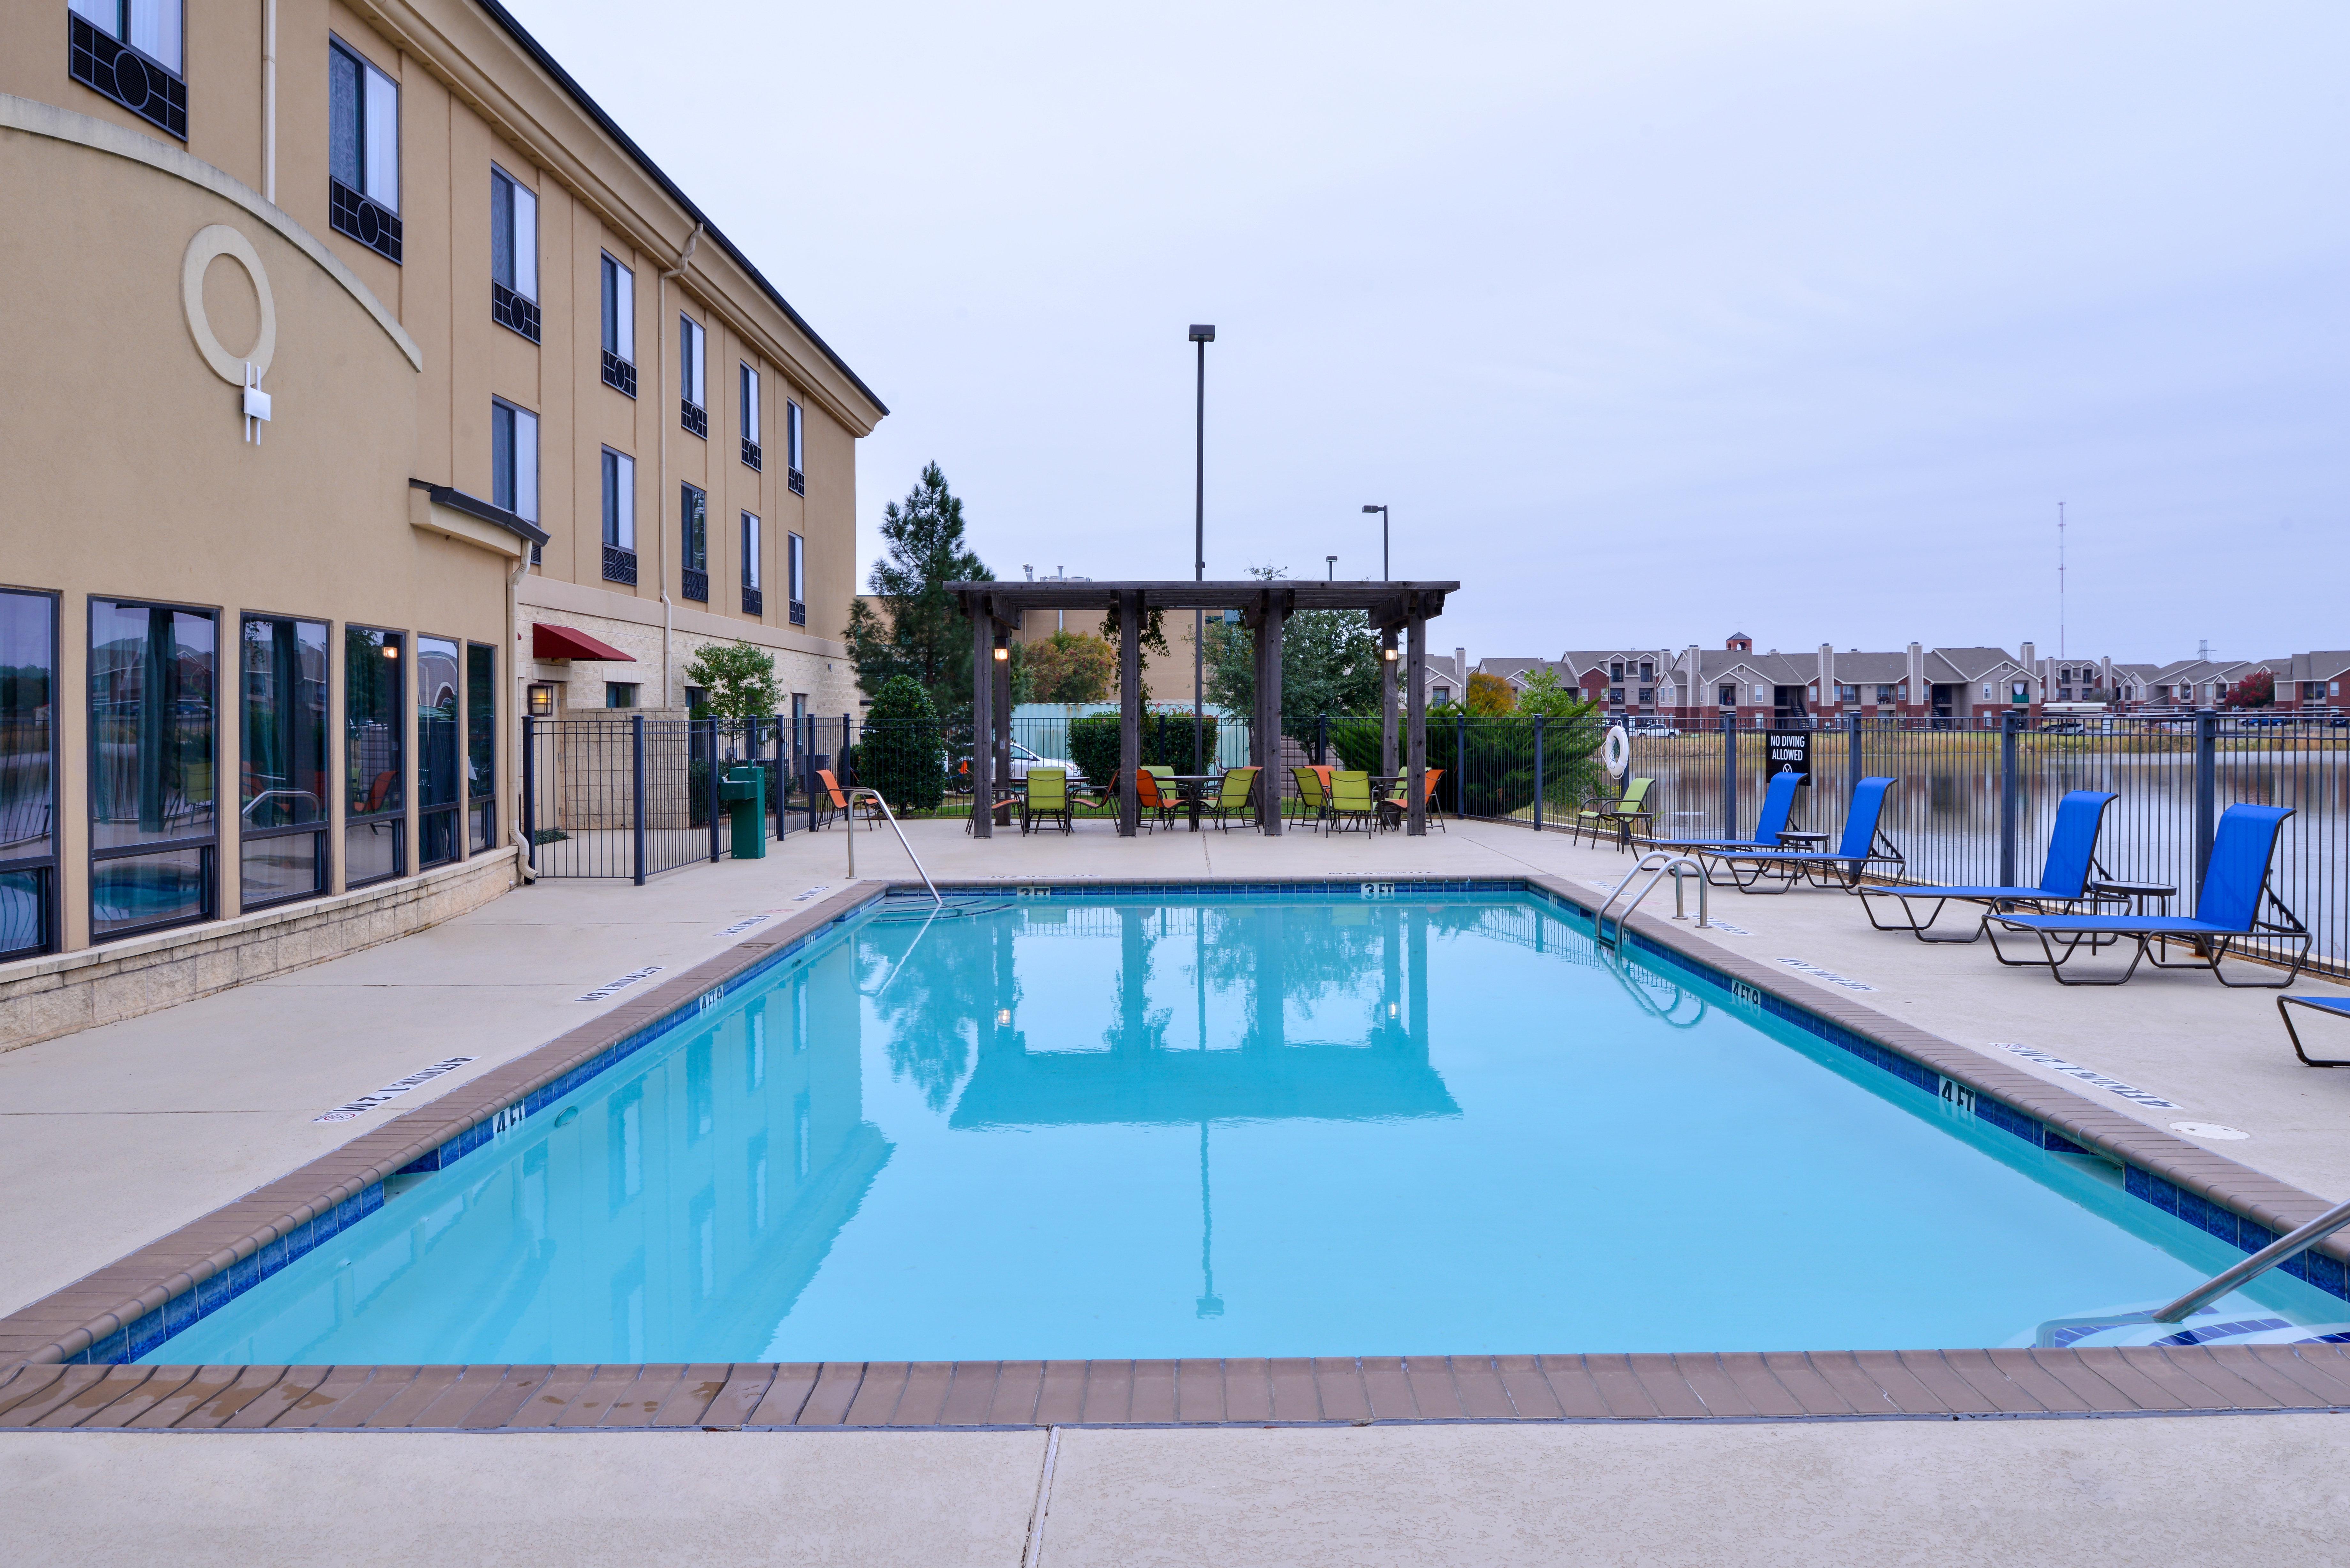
(120, 1134)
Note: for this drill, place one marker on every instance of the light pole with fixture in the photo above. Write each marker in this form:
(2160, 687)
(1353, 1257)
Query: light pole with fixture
(1333, 567)
(1203, 336)
(1387, 661)
(1387, 574)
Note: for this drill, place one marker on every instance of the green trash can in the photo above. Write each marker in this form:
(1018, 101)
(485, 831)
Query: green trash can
(747, 789)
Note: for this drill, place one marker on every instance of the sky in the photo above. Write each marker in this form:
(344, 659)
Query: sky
(1650, 324)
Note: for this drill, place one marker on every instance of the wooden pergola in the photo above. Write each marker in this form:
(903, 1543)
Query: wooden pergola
(995, 609)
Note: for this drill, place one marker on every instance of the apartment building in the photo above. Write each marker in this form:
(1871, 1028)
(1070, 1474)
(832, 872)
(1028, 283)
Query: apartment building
(376, 389)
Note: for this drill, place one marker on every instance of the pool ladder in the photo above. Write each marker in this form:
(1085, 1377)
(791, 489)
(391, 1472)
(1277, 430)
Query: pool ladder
(856, 790)
(1658, 865)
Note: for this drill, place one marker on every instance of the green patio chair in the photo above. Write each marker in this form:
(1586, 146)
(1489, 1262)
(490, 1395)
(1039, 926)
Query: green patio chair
(1351, 801)
(1048, 797)
(1232, 793)
(1313, 799)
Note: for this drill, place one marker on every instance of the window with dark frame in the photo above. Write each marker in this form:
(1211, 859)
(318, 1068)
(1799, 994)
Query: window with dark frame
(439, 797)
(375, 801)
(619, 516)
(514, 255)
(795, 577)
(693, 558)
(284, 787)
(153, 805)
(749, 409)
(481, 748)
(693, 408)
(132, 51)
(795, 461)
(620, 694)
(29, 774)
(513, 459)
(753, 601)
(619, 326)
(362, 150)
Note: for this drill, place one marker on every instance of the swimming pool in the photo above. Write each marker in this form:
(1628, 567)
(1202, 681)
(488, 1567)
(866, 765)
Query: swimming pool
(1242, 1124)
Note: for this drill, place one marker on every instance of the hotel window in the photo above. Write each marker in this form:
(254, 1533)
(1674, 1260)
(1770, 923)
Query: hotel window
(29, 774)
(794, 461)
(439, 676)
(513, 459)
(152, 807)
(795, 575)
(693, 520)
(749, 399)
(620, 694)
(130, 50)
(283, 783)
(514, 255)
(753, 601)
(690, 342)
(620, 328)
(481, 745)
(620, 517)
(362, 151)
(375, 810)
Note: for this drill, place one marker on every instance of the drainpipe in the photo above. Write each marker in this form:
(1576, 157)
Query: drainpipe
(269, 101)
(521, 692)
(660, 501)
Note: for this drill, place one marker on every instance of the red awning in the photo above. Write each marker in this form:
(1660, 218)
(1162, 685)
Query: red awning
(569, 642)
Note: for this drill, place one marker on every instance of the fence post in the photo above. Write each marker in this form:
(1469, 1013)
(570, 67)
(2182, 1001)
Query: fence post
(1321, 740)
(1460, 765)
(2207, 785)
(530, 791)
(710, 782)
(1852, 722)
(1729, 774)
(636, 797)
(782, 780)
(2011, 789)
(1538, 770)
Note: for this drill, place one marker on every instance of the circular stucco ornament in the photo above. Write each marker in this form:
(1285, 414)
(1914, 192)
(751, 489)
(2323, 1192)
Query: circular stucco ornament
(220, 240)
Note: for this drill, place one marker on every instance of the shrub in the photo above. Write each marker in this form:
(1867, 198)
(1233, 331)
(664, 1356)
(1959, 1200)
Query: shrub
(1166, 742)
(1499, 776)
(902, 753)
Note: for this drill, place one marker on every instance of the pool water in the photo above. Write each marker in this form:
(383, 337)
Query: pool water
(1287, 1125)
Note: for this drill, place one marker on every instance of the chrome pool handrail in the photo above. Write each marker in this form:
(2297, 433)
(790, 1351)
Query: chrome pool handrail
(2282, 1250)
(1659, 864)
(856, 790)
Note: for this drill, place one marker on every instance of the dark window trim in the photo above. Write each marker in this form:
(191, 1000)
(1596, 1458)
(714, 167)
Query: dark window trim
(754, 601)
(370, 222)
(750, 453)
(94, 58)
(694, 417)
(619, 564)
(799, 613)
(693, 584)
(210, 842)
(620, 374)
(394, 815)
(798, 481)
(323, 827)
(512, 312)
(48, 919)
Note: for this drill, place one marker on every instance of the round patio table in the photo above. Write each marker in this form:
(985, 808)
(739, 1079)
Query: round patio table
(1193, 786)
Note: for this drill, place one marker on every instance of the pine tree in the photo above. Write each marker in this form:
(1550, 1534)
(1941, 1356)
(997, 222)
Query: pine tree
(920, 630)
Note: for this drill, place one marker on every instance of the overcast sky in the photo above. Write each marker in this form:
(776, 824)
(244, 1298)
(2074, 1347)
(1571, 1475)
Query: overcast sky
(1650, 323)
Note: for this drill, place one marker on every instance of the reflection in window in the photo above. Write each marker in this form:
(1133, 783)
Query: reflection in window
(481, 744)
(374, 809)
(437, 800)
(282, 778)
(28, 775)
(152, 793)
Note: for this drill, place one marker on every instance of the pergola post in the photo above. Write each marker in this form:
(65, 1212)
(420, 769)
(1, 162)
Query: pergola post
(982, 720)
(1416, 702)
(1387, 700)
(1129, 713)
(1002, 709)
(1265, 718)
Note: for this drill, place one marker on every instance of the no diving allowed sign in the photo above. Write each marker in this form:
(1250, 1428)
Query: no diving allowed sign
(1788, 751)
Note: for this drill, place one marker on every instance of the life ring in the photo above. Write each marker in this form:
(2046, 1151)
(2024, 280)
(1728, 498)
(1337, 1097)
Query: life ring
(1617, 751)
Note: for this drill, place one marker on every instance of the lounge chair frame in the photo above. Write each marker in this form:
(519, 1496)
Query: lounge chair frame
(2041, 899)
(2328, 1006)
(1821, 868)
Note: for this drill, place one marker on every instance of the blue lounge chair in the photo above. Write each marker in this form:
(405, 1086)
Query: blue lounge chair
(2233, 908)
(2337, 1006)
(1863, 844)
(1778, 805)
(2063, 879)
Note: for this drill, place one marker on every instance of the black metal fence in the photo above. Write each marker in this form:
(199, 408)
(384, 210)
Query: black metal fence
(1975, 806)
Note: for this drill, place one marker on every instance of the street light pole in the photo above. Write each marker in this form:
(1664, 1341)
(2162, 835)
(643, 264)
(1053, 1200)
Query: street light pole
(1203, 336)
(1386, 573)
(1333, 567)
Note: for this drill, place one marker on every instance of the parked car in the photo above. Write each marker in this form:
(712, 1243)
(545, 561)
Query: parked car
(1022, 759)
(1653, 729)
(2268, 720)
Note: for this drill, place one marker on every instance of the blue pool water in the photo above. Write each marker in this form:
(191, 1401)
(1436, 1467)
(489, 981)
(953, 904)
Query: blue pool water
(1274, 1125)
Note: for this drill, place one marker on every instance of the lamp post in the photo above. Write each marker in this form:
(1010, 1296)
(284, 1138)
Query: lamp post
(1333, 567)
(1203, 336)
(1385, 574)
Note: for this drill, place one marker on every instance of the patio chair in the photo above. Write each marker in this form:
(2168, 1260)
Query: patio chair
(833, 801)
(1048, 796)
(2064, 875)
(1863, 844)
(2232, 908)
(1234, 794)
(2336, 1006)
(1313, 795)
(1399, 800)
(1158, 797)
(1778, 809)
(1351, 801)
(1601, 813)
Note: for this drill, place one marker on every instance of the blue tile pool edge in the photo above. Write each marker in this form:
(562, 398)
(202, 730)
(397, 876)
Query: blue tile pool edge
(209, 1293)
(214, 1291)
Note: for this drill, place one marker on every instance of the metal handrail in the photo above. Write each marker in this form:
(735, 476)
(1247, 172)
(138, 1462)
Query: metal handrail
(1659, 863)
(2283, 1249)
(851, 797)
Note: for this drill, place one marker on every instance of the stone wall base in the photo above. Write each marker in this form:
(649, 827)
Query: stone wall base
(42, 998)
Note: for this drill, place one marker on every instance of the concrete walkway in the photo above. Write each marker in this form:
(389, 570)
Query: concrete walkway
(117, 1134)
